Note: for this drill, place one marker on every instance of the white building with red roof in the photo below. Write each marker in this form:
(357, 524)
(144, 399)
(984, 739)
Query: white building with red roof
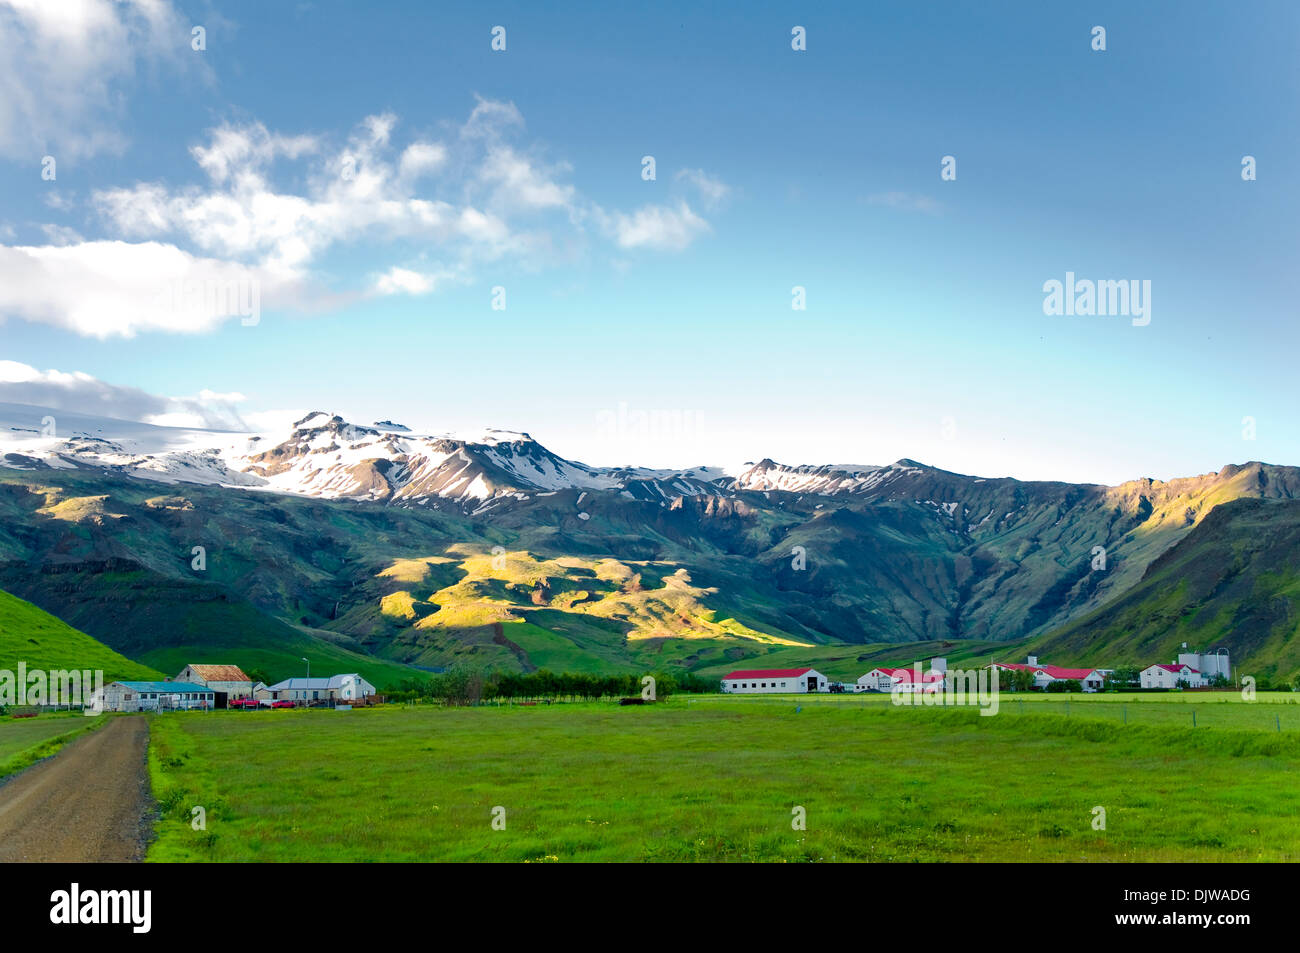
(1089, 679)
(1170, 676)
(775, 681)
(906, 680)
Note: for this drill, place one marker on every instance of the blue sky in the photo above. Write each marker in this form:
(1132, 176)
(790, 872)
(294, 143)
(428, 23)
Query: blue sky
(924, 334)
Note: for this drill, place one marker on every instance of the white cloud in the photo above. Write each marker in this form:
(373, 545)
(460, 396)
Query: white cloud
(357, 192)
(247, 149)
(106, 289)
(490, 119)
(469, 199)
(657, 226)
(61, 235)
(63, 66)
(404, 281)
(421, 158)
(78, 392)
(518, 184)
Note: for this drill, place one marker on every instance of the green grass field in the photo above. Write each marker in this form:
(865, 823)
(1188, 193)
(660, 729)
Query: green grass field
(719, 778)
(1271, 711)
(28, 634)
(24, 741)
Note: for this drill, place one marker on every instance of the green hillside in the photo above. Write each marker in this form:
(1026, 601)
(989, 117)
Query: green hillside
(169, 624)
(1234, 582)
(33, 636)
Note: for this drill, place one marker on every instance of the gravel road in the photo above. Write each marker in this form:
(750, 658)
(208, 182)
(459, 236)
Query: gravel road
(87, 804)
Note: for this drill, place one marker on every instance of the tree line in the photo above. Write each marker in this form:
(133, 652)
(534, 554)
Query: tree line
(463, 686)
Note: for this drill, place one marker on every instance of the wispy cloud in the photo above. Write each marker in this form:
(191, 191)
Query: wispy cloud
(80, 392)
(713, 191)
(906, 201)
(64, 66)
(656, 226)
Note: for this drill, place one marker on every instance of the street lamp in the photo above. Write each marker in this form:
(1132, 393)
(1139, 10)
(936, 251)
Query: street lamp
(308, 688)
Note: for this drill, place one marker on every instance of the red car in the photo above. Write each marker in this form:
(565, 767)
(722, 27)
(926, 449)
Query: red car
(245, 703)
(282, 703)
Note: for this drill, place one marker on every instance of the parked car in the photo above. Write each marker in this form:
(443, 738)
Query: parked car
(282, 703)
(245, 704)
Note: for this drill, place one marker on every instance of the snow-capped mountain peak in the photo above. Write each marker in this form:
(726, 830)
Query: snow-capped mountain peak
(324, 454)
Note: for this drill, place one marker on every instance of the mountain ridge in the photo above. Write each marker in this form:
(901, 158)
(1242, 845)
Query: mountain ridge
(309, 526)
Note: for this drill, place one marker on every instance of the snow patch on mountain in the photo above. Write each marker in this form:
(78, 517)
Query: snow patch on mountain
(324, 455)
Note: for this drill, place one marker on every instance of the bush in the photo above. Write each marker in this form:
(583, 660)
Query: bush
(1064, 685)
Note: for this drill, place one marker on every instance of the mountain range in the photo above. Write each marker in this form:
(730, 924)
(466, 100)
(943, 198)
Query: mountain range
(374, 546)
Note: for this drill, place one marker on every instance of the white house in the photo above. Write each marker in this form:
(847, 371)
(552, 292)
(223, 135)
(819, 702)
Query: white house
(775, 680)
(228, 680)
(157, 696)
(1169, 676)
(336, 688)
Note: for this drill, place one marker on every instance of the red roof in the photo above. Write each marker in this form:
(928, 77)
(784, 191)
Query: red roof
(1177, 668)
(1076, 673)
(1053, 670)
(768, 673)
(909, 675)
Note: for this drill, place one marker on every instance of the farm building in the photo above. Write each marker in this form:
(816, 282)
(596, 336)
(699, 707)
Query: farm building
(1170, 676)
(157, 696)
(906, 680)
(910, 681)
(227, 681)
(336, 688)
(878, 680)
(771, 680)
(1207, 664)
(1089, 679)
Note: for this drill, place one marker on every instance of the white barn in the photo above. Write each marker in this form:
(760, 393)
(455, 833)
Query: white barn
(775, 680)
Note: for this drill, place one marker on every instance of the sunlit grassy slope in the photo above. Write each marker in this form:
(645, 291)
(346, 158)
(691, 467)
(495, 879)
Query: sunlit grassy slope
(30, 635)
(516, 609)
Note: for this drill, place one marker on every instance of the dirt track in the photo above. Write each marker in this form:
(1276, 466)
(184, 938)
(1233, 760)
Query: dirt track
(88, 803)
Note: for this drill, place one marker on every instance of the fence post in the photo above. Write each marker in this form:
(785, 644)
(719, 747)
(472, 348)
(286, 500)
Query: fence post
(1193, 717)
(1278, 719)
